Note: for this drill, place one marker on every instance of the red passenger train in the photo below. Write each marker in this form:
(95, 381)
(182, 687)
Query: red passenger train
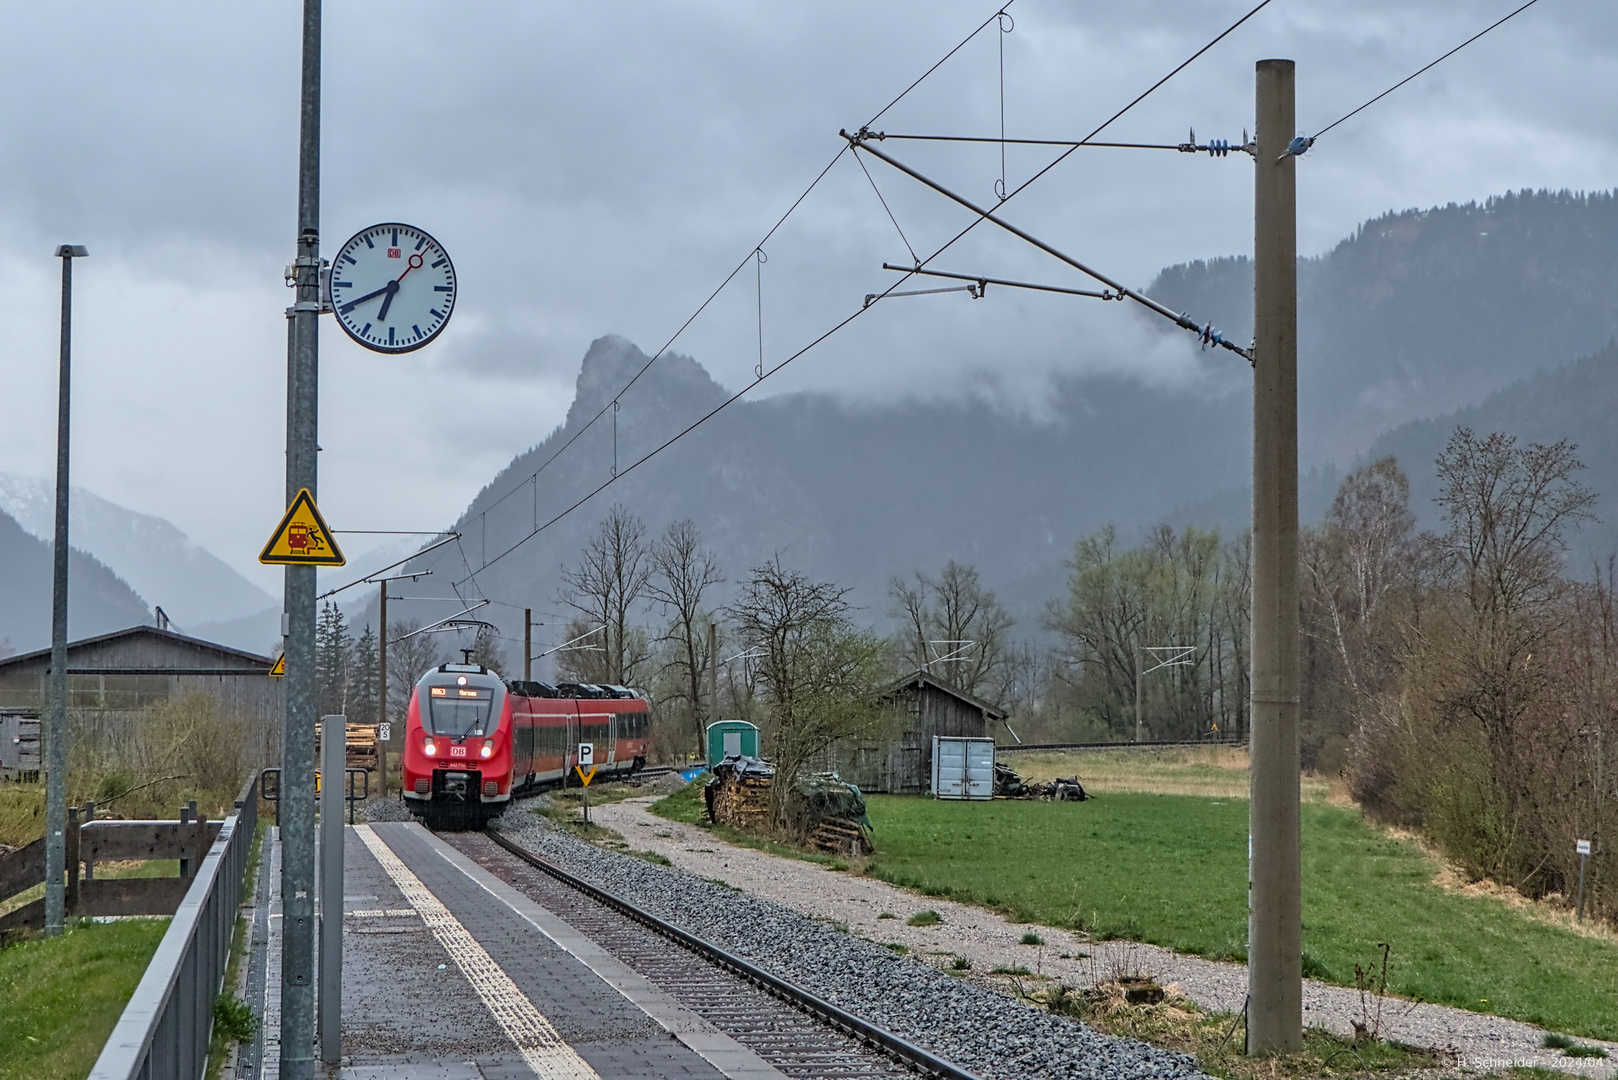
(473, 740)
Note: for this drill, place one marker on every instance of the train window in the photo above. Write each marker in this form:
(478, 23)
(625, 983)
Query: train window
(458, 711)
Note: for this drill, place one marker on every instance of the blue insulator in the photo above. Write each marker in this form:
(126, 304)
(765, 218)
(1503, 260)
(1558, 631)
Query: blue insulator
(1299, 145)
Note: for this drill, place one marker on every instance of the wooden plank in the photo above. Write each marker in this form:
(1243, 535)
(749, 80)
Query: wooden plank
(28, 917)
(131, 896)
(22, 869)
(101, 840)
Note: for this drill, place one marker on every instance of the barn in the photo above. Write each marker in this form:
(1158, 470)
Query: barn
(928, 706)
(111, 678)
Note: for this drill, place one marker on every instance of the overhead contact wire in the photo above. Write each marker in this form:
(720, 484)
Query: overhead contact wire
(861, 310)
(1424, 70)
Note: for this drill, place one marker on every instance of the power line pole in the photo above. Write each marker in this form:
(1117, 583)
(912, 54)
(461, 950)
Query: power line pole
(382, 688)
(56, 736)
(713, 685)
(1139, 717)
(1275, 885)
(527, 644)
(297, 806)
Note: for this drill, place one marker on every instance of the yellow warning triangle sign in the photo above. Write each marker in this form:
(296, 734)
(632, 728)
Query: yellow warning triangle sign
(302, 538)
(279, 668)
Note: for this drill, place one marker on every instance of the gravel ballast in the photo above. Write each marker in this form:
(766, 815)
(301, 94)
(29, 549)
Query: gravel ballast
(978, 1029)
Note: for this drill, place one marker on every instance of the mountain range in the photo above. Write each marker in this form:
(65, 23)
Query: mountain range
(1498, 315)
(1421, 320)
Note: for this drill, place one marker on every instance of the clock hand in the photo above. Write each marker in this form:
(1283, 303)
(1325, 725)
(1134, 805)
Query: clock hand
(352, 304)
(415, 264)
(392, 289)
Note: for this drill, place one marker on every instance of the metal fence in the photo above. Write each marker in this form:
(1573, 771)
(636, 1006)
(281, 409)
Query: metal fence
(164, 1030)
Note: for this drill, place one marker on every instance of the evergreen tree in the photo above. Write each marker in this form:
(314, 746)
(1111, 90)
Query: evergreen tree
(362, 675)
(332, 649)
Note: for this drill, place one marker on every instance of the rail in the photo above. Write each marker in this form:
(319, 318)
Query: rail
(1023, 748)
(899, 1048)
(166, 1027)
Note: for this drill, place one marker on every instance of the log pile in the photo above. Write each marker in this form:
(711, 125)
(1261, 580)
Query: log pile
(829, 815)
(361, 742)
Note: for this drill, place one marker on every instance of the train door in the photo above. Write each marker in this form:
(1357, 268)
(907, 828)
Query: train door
(612, 738)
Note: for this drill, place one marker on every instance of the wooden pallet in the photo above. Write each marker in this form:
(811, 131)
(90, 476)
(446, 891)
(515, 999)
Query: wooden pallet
(838, 836)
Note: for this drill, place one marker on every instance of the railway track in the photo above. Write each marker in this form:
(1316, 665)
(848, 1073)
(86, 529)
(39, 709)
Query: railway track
(800, 1034)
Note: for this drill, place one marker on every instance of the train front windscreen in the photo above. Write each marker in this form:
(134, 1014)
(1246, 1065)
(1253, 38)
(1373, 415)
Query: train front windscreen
(457, 712)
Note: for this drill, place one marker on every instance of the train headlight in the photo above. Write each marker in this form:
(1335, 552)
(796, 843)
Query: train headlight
(488, 749)
(428, 748)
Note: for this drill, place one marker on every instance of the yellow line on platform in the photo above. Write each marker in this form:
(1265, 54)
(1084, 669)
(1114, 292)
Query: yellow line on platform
(538, 1042)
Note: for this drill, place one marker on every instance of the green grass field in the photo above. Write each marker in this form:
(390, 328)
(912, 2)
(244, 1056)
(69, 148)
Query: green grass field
(60, 998)
(1171, 870)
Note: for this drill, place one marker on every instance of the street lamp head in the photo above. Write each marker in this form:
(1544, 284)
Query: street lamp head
(72, 251)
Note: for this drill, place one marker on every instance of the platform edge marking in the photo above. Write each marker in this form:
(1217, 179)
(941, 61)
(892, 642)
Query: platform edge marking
(731, 1058)
(535, 1038)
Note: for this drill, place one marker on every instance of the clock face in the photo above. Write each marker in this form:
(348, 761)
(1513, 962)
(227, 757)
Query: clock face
(392, 288)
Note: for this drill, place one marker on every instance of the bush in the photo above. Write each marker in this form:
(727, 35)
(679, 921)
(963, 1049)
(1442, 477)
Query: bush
(233, 1018)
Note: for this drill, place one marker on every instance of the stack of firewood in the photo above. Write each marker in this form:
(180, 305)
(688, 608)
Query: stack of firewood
(742, 802)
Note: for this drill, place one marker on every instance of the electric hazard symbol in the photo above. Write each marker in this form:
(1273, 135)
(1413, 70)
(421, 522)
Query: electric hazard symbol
(302, 538)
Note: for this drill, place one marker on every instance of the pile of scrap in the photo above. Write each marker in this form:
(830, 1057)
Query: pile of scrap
(828, 814)
(1009, 785)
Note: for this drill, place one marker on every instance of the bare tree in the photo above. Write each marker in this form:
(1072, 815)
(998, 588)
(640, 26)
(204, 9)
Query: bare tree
(682, 572)
(409, 658)
(953, 628)
(820, 672)
(604, 589)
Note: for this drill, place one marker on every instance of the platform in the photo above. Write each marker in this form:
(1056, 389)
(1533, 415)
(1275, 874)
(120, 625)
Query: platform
(451, 974)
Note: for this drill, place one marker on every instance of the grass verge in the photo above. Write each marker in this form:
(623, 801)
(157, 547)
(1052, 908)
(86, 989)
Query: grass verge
(60, 997)
(1216, 1039)
(1172, 870)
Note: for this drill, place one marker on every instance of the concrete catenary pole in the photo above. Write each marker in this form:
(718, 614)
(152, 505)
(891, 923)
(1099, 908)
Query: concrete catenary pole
(1140, 714)
(297, 806)
(334, 784)
(56, 734)
(382, 688)
(713, 685)
(1275, 889)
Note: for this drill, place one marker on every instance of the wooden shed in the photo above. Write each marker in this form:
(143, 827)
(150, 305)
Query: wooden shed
(929, 706)
(112, 677)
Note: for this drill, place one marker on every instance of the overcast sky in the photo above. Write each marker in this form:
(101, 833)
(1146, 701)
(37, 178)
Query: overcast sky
(599, 169)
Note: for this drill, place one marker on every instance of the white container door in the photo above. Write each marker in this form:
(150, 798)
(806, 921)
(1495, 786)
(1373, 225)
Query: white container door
(949, 768)
(733, 743)
(979, 768)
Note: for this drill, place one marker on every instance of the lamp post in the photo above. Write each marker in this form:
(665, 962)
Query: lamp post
(56, 776)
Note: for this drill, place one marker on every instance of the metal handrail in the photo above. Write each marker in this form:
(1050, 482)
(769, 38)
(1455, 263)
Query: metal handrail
(166, 1027)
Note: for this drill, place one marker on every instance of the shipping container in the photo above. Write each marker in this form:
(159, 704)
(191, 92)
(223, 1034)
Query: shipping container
(963, 768)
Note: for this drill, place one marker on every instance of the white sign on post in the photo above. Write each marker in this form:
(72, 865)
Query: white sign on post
(385, 732)
(587, 753)
(1583, 846)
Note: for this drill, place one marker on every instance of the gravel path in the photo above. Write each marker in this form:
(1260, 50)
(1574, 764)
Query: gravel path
(1482, 1043)
(971, 1025)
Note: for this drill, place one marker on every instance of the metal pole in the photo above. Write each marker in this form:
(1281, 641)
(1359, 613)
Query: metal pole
(333, 778)
(297, 807)
(1583, 861)
(56, 736)
(382, 689)
(1275, 889)
(527, 644)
